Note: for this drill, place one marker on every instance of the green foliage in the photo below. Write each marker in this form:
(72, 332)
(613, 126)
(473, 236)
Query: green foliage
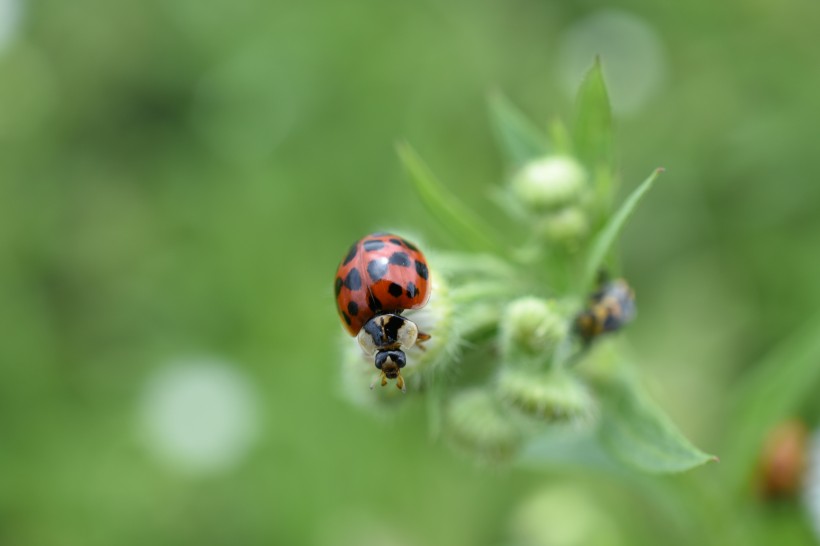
(519, 139)
(778, 388)
(593, 121)
(606, 238)
(637, 431)
(454, 217)
(178, 180)
(532, 389)
(593, 136)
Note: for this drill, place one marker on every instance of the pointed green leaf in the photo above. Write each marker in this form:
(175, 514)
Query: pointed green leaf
(593, 120)
(606, 237)
(638, 433)
(454, 216)
(518, 137)
(773, 391)
(560, 138)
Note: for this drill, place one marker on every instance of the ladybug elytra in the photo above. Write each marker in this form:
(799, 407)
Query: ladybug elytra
(381, 276)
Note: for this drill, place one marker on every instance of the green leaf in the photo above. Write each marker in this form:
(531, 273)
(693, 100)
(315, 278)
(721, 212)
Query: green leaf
(569, 446)
(638, 433)
(603, 242)
(454, 216)
(518, 137)
(773, 391)
(593, 120)
(560, 138)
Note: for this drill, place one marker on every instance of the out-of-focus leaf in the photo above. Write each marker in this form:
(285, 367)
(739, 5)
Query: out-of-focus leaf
(773, 391)
(639, 434)
(567, 446)
(508, 204)
(560, 138)
(593, 120)
(606, 237)
(454, 216)
(518, 137)
(574, 448)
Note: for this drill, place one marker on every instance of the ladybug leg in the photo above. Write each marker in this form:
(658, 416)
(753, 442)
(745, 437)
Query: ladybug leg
(381, 377)
(422, 337)
(400, 383)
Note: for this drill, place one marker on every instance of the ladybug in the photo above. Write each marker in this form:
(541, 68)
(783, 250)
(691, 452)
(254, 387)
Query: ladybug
(381, 276)
(608, 309)
(783, 460)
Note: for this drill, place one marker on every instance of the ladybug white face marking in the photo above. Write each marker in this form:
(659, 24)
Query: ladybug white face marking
(366, 343)
(408, 334)
(387, 332)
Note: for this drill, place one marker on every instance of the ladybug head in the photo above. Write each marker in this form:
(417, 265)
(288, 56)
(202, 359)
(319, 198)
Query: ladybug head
(390, 362)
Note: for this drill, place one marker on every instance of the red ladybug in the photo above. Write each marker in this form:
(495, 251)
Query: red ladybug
(381, 276)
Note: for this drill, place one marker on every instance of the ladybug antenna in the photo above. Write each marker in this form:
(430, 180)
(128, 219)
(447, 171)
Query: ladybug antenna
(377, 379)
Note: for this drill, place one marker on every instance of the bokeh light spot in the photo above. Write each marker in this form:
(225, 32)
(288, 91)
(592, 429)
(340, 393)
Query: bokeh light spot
(10, 16)
(199, 415)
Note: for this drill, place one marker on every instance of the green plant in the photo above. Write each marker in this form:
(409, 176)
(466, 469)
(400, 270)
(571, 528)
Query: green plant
(507, 377)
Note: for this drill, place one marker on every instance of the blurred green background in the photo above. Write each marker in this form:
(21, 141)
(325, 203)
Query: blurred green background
(179, 179)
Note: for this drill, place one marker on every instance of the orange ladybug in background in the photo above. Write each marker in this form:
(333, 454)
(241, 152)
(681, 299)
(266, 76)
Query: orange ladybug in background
(381, 276)
(783, 460)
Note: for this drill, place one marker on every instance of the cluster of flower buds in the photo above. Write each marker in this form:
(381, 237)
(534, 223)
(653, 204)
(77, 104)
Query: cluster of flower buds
(554, 189)
(509, 353)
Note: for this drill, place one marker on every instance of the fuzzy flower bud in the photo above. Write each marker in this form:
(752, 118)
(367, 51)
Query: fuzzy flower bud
(550, 182)
(476, 422)
(552, 396)
(566, 225)
(531, 330)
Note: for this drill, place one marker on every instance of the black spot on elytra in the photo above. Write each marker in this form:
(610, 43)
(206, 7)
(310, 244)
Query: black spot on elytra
(339, 283)
(377, 268)
(396, 242)
(351, 253)
(353, 280)
(421, 269)
(395, 290)
(373, 244)
(347, 318)
(373, 302)
(353, 308)
(400, 258)
(410, 245)
(412, 290)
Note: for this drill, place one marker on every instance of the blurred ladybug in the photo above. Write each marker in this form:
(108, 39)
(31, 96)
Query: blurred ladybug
(609, 309)
(783, 460)
(381, 276)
